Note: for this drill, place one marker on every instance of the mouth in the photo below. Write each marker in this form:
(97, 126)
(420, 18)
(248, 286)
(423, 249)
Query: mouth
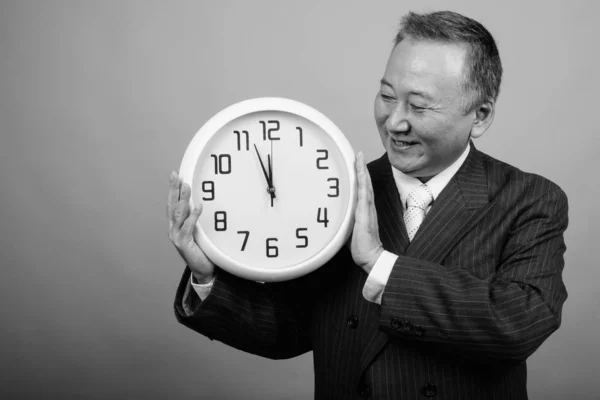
(404, 144)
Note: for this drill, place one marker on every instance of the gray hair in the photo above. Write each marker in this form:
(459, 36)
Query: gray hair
(484, 72)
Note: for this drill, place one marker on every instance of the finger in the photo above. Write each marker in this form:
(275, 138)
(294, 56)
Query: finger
(368, 183)
(181, 210)
(173, 197)
(184, 201)
(180, 213)
(185, 193)
(371, 212)
(366, 215)
(360, 177)
(365, 198)
(187, 228)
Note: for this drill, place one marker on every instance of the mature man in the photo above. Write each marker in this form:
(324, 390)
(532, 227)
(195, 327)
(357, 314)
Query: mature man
(460, 255)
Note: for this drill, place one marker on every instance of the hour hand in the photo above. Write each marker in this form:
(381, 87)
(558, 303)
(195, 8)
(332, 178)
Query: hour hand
(271, 188)
(270, 164)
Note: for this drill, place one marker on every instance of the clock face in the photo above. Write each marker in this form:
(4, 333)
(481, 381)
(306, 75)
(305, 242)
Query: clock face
(277, 186)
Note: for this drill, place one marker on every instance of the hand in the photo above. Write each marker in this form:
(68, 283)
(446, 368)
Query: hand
(364, 243)
(270, 188)
(181, 230)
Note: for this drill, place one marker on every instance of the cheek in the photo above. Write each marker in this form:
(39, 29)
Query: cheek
(443, 141)
(433, 131)
(380, 113)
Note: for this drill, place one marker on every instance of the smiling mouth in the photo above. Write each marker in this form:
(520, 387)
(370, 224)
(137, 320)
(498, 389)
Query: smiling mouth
(404, 143)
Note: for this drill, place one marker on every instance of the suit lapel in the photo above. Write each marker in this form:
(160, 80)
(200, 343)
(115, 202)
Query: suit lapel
(453, 213)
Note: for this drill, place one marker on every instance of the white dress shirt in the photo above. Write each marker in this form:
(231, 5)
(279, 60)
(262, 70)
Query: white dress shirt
(379, 275)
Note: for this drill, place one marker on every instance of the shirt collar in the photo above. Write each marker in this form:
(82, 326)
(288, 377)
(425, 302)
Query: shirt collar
(406, 184)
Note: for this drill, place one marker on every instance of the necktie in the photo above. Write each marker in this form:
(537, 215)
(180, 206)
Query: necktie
(416, 204)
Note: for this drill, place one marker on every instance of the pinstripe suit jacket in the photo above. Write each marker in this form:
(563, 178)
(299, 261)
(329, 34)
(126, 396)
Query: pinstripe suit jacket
(476, 292)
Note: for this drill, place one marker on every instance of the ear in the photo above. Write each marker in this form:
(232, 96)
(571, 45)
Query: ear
(484, 115)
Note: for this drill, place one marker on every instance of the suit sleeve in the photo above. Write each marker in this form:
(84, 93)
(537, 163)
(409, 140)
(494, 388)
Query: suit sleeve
(505, 317)
(261, 319)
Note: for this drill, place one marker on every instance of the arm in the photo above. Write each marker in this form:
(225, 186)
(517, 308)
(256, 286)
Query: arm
(271, 320)
(266, 320)
(505, 317)
(262, 319)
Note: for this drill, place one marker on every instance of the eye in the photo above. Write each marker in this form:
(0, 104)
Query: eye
(386, 97)
(417, 108)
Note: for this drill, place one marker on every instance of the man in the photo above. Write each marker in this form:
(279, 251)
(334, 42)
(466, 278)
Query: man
(460, 255)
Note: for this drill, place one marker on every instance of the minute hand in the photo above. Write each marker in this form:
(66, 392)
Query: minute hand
(267, 177)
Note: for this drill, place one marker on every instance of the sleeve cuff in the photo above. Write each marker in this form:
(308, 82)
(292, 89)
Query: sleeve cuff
(377, 279)
(202, 289)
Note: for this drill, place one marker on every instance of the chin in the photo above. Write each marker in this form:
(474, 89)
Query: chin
(408, 167)
(405, 169)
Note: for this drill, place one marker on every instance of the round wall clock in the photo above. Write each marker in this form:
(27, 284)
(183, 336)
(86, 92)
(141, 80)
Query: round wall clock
(277, 183)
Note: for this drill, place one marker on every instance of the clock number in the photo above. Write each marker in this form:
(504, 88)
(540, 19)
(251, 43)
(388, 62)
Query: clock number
(239, 139)
(246, 234)
(335, 187)
(208, 187)
(322, 219)
(267, 133)
(220, 221)
(319, 159)
(300, 133)
(222, 163)
(272, 250)
(302, 237)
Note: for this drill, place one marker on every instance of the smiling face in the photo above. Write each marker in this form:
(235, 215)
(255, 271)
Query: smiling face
(419, 109)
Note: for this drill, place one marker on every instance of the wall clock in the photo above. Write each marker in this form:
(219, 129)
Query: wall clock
(277, 182)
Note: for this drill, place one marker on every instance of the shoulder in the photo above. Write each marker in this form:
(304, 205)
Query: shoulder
(507, 181)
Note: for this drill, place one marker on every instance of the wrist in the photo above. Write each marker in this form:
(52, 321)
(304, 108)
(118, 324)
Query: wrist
(373, 260)
(202, 279)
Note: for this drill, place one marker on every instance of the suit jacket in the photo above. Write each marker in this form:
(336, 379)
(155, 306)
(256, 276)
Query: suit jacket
(469, 299)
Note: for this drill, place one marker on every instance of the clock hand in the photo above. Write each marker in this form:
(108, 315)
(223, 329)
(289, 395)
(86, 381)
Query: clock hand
(271, 169)
(270, 187)
(268, 179)
(271, 164)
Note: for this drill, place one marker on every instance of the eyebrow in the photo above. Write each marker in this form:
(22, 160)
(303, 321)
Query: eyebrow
(420, 93)
(424, 95)
(383, 81)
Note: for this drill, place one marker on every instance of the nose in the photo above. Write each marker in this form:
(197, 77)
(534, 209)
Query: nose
(397, 119)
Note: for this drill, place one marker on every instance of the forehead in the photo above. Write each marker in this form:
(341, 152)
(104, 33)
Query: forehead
(426, 65)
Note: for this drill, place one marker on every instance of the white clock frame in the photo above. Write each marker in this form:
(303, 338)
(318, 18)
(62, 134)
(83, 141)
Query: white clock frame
(212, 127)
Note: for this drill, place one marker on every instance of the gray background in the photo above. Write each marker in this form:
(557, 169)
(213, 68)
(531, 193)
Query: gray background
(98, 101)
